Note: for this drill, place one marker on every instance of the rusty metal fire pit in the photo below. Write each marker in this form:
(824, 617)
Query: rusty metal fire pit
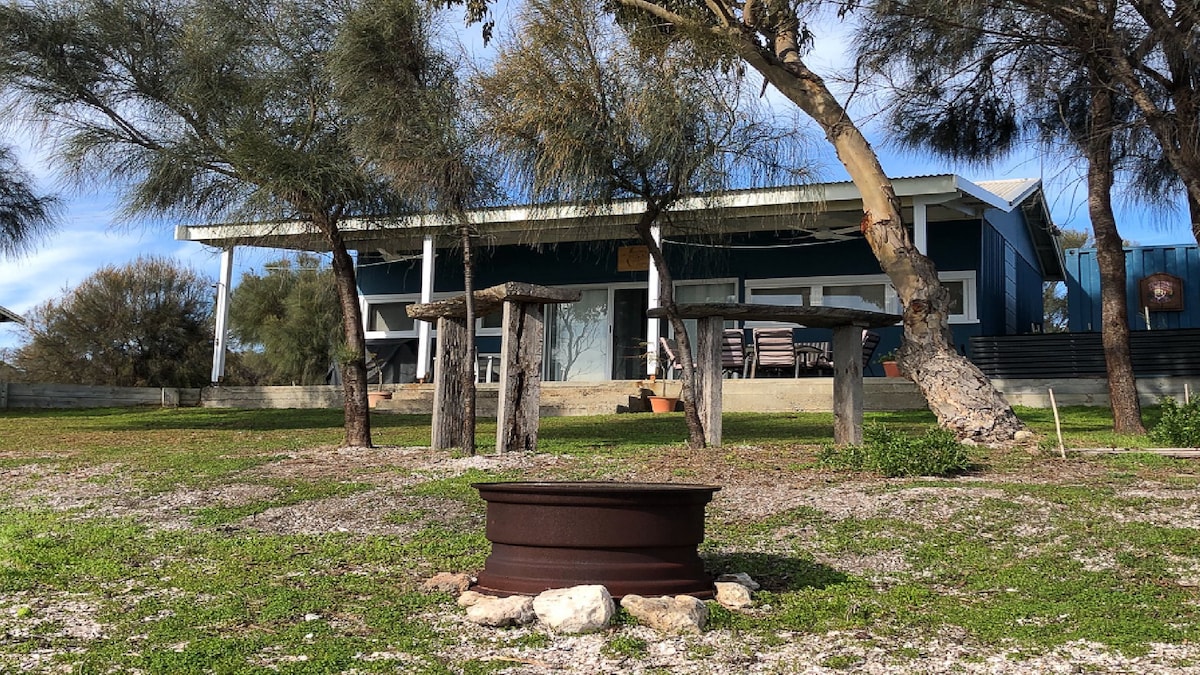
(633, 538)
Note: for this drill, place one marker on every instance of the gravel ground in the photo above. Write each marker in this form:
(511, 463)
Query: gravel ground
(750, 491)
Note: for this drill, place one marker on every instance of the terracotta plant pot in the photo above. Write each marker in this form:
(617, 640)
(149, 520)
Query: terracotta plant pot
(661, 404)
(891, 369)
(374, 397)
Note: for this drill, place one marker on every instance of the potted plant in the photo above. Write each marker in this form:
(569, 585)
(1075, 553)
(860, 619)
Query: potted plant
(660, 403)
(888, 361)
(374, 397)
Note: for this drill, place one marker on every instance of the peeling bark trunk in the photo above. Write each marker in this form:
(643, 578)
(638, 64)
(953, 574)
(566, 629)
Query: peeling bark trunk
(666, 300)
(353, 359)
(1110, 259)
(958, 393)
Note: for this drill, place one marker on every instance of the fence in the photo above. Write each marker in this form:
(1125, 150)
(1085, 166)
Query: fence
(1057, 355)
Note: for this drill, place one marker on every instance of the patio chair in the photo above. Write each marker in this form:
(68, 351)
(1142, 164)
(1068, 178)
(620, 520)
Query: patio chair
(814, 357)
(734, 360)
(870, 342)
(774, 350)
(667, 360)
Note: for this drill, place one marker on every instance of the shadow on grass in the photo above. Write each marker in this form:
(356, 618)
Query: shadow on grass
(775, 573)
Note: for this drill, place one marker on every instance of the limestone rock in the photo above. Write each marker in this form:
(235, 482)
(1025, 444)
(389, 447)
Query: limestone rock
(511, 611)
(578, 609)
(740, 578)
(468, 598)
(1023, 435)
(445, 582)
(680, 614)
(733, 595)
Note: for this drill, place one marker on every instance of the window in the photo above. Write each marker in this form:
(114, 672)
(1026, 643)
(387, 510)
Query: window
(385, 316)
(871, 297)
(800, 296)
(873, 293)
(705, 291)
(390, 317)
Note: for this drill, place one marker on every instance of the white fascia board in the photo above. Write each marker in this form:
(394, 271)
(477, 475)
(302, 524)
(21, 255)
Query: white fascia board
(826, 197)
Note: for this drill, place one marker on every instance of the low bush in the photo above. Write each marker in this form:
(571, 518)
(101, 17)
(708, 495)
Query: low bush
(1179, 426)
(896, 454)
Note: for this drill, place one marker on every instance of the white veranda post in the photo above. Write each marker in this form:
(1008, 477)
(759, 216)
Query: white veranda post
(920, 227)
(424, 327)
(220, 340)
(653, 326)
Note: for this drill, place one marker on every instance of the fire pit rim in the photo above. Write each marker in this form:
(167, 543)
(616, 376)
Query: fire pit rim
(591, 486)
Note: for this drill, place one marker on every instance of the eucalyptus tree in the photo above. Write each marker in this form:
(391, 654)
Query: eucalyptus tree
(974, 79)
(25, 216)
(222, 109)
(409, 124)
(588, 112)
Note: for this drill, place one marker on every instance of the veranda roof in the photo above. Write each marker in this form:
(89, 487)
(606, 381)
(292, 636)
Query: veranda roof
(827, 210)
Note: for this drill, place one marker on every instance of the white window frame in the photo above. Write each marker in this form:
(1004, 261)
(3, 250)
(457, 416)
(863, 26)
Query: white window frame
(365, 302)
(816, 287)
(709, 282)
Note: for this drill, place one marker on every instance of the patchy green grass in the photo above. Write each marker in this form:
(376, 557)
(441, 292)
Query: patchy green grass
(1027, 553)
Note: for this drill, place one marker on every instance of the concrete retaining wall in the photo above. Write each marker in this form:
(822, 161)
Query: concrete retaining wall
(14, 395)
(812, 394)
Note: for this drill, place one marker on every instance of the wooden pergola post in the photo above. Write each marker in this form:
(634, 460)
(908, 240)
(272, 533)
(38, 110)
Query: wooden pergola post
(847, 385)
(520, 361)
(521, 350)
(847, 326)
(709, 334)
(448, 404)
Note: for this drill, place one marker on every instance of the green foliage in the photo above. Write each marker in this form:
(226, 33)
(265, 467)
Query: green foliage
(146, 324)
(24, 215)
(292, 314)
(1179, 425)
(896, 454)
(625, 647)
(1005, 562)
(890, 355)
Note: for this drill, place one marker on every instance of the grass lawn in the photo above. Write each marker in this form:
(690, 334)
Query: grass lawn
(244, 541)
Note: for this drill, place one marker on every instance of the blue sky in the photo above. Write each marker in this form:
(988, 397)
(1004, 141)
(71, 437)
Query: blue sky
(89, 236)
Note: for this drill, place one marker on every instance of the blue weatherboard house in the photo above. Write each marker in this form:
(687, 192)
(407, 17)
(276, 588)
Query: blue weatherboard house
(992, 241)
(1162, 284)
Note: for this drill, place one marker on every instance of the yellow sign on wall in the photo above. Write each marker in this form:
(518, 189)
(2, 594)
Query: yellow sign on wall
(633, 259)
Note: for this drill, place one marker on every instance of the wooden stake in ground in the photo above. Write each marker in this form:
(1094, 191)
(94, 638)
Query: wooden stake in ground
(1062, 450)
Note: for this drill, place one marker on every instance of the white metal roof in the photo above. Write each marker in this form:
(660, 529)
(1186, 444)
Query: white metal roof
(9, 315)
(806, 207)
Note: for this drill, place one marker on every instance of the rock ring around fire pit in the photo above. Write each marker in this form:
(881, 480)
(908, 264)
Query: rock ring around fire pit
(633, 538)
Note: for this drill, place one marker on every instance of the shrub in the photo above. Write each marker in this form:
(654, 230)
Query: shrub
(1179, 425)
(896, 454)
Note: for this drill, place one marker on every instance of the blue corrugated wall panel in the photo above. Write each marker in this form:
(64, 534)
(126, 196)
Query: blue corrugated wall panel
(1083, 286)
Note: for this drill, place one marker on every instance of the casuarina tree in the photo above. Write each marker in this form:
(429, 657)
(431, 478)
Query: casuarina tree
(974, 80)
(220, 109)
(587, 113)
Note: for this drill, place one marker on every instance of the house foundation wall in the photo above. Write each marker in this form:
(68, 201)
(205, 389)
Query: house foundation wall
(560, 399)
